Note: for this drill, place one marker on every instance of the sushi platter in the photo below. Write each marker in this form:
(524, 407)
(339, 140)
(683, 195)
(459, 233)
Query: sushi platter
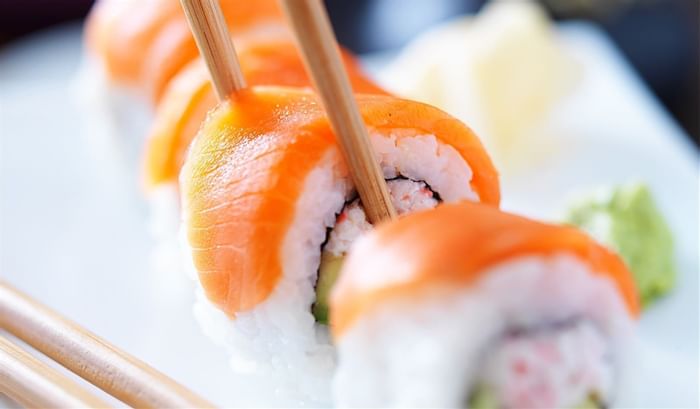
(231, 248)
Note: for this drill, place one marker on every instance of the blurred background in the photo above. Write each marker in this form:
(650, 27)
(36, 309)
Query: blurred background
(659, 37)
(70, 166)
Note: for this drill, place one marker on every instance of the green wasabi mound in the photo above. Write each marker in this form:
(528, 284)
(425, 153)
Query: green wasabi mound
(327, 274)
(626, 219)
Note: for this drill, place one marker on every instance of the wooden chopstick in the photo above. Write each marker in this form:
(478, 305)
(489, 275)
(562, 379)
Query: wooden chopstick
(32, 383)
(90, 357)
(322, 58)
(211, 34)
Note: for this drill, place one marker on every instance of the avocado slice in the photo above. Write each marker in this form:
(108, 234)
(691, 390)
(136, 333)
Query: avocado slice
(484, 397)
(327, 274)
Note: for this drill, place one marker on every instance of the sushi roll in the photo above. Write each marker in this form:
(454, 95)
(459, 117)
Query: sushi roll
(143, 44)
(190, 96)
(134, 48)
(467, 306)
(248, 21)
(269, 212)
(184, 107)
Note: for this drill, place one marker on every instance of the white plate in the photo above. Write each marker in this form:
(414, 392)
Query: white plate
(73, 225)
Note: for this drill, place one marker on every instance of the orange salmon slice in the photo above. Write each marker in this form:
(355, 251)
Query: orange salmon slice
(465, 240)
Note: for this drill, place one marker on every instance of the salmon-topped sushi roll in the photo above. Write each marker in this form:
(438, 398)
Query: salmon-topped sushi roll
(248, 21)
(183, 109)
(135, 47)
(467, 306)
(270, 210)
(190, 96)
(144, 44)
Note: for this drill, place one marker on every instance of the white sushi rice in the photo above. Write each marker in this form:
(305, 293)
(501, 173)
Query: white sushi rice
(280, 337)
(431, 350)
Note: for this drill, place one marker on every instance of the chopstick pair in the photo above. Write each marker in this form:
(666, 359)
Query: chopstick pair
(33, 383)
(323, 62)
